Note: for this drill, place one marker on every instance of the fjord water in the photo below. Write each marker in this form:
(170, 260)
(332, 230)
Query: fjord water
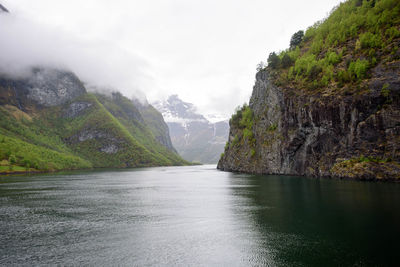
(191, 216)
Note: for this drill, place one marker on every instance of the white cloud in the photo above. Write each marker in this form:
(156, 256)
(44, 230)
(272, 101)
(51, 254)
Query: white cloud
(205, 51)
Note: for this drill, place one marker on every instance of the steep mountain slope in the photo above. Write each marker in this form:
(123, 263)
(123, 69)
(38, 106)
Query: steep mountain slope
(155, 121)
(65, 127)
(329, 105)
(195, 138)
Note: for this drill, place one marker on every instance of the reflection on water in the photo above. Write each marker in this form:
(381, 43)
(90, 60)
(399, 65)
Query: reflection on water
(196, 216)
(315, 222)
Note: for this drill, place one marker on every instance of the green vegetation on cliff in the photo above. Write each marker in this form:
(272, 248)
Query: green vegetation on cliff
(243, 120)
(337, 53)
(330, 104)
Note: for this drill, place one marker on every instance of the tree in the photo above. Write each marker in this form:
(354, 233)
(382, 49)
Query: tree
(260, 66)
(296, 39)
(273, 60)
(12, 159)
(286, 61)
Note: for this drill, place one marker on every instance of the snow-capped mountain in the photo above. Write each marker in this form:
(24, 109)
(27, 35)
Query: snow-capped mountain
(195, 137)
(176, 110)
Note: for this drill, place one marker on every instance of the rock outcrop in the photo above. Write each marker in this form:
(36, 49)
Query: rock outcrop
(43, 87)
(351, 136)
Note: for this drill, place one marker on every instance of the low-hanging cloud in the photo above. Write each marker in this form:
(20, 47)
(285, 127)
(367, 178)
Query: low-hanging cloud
(204, 51)
(100, 64)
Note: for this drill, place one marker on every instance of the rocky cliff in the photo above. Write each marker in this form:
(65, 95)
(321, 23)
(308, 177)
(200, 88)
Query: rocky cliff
(314, 116)
(335, 136)
(45, 87)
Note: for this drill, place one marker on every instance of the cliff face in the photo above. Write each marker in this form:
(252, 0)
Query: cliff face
(45, 87)
(352, 136)
(329, 105)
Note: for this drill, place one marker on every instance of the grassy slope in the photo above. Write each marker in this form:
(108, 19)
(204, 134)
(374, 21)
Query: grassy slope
(29, 143)
(121, 107)
(46, 140)
(337, 54)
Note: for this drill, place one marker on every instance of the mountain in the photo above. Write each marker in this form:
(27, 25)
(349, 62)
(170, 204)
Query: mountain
(329, 106)
(48, 121)
(156, 123)
(195, 137)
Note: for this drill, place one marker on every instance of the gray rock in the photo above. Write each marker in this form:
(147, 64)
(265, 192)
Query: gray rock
(43, 87)
(50, 87)
(109, 149)
(311, 132)
(109, 143)
(76, 109)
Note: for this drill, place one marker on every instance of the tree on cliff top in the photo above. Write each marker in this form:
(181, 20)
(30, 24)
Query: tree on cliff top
(273, 60)
(296, 39)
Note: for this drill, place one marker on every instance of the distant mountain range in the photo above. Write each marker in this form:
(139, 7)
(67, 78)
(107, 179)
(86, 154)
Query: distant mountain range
(195, 137)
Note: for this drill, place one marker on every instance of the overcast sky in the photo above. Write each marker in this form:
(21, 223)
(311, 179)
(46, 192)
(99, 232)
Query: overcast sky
(204, 51)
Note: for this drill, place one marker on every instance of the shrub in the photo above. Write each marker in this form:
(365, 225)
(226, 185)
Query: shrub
(286, 61)
(391, 33)
(12, 159)
(313, 71)
(358, 69)
(385, 90)
(303, 64)
(247, 133)
(272, 127)
(247, 118)
(296, 39)
(235, 140)
(273, 60)
(236, 117)
(370, 40)
(332, 58)
(342, 77)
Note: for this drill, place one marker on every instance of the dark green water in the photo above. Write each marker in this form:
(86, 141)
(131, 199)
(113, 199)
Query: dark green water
(196, 216)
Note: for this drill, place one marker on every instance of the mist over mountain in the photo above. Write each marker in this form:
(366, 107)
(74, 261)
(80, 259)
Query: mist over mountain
(195, 137)
(27, 44)
(52, 120)
(3, 9)
(49, 121)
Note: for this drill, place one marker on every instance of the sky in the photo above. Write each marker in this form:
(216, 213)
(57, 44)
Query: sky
(204, 51)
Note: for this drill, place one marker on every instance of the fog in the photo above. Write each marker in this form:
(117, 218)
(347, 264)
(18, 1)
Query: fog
(204, 51)
(101, 65)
